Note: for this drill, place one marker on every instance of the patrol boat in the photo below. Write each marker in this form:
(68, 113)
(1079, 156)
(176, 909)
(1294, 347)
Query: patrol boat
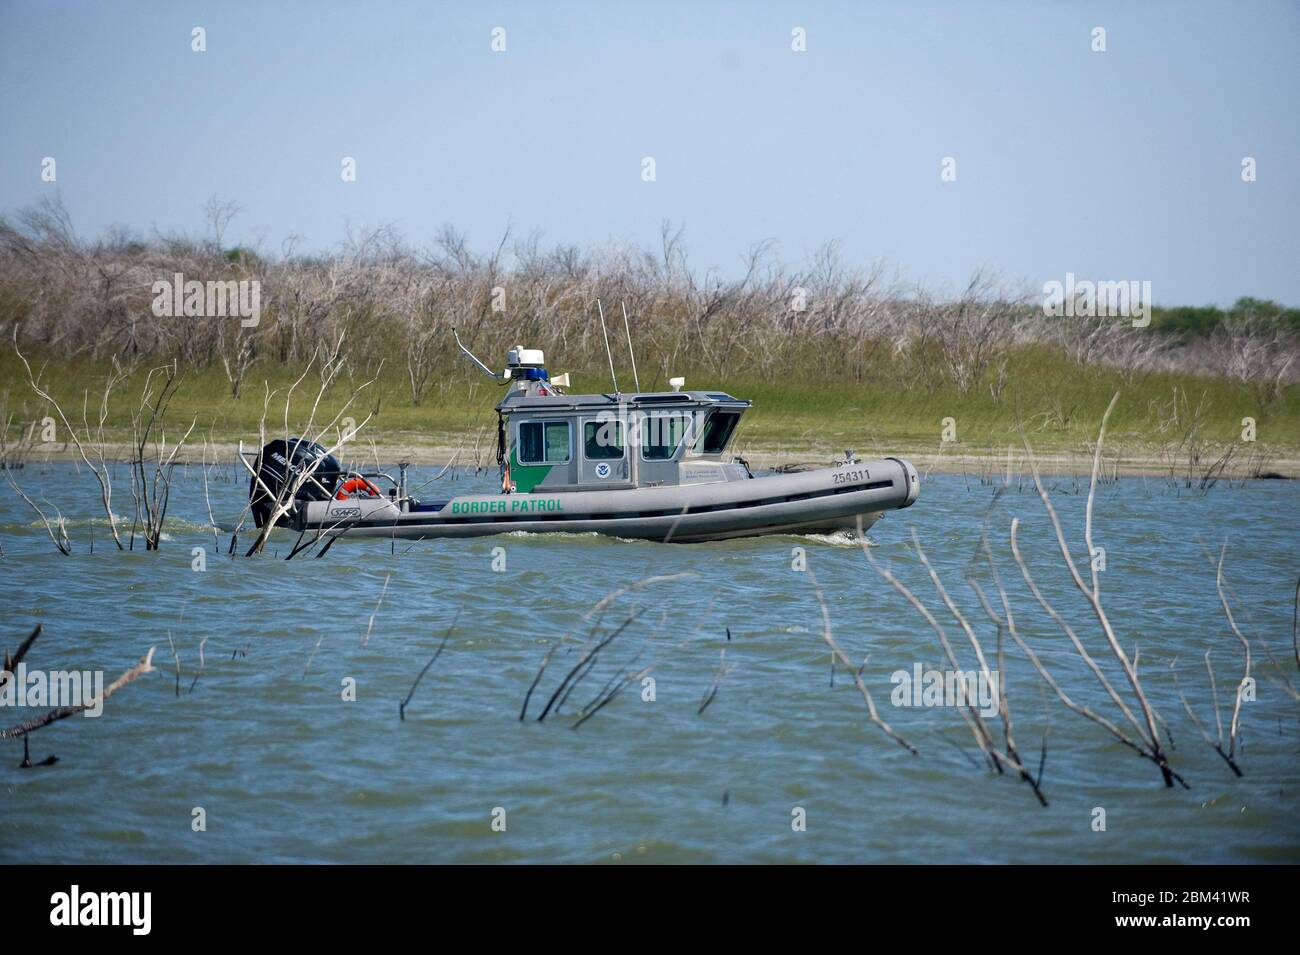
(648, 465)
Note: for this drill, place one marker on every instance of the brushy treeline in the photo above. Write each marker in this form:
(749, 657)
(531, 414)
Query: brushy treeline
(66, 297)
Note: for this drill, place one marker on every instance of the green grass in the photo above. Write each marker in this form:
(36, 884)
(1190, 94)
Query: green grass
(1059, 405)
(802, 411)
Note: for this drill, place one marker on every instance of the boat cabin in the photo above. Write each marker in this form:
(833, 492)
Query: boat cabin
(552, 441)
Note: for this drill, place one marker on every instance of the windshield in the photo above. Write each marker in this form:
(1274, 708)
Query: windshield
(717, 432)
(661, 434)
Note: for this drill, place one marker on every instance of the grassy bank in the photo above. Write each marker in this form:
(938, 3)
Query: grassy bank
(1162, 416)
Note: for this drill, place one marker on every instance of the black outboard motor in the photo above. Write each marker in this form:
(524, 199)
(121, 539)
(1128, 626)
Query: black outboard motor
(280, 465)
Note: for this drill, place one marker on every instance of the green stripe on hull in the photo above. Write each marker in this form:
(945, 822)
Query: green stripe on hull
(527, 476)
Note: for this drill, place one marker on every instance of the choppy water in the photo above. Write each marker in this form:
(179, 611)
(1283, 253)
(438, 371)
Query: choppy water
(286, 770)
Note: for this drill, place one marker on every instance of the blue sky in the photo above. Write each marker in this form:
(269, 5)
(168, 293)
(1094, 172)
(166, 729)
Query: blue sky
(1117, 165)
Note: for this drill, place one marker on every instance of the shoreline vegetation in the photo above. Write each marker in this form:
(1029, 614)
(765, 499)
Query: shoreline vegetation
(834, 357)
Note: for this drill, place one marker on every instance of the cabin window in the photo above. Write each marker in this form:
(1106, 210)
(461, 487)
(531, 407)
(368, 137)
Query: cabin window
(661, 435)
(602, 440)
(718, 432)
(544, 442)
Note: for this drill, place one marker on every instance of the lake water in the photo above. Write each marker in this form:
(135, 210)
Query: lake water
(285, 769)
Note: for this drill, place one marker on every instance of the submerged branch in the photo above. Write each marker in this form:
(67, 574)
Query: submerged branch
(22, 729)
(401, 707)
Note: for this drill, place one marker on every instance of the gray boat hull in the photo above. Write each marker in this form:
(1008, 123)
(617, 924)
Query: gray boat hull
(821, 501)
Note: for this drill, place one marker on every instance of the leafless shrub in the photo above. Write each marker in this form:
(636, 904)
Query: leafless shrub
(94, 435)
(589, 651)
(56, 527)
(1147, 741)
(1257, 353)
(328, 363)
(837, 653)
(1228, 754)
(998, 757)
(154, 458)
(1110, 341)
(972, 332)
(1191, 460)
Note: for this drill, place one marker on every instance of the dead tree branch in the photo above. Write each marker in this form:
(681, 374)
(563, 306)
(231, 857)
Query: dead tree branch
(22, 729)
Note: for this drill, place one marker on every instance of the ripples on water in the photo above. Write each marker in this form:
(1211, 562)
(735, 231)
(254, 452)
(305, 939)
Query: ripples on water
(287, 771)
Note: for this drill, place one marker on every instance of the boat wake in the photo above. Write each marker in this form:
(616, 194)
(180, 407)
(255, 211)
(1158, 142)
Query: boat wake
(844, 538)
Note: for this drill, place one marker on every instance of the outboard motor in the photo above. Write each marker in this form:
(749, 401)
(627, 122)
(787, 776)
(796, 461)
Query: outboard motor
(280, 465)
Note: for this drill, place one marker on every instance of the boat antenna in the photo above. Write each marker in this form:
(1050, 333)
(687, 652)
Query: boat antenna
(608, 353)
(470, 355)
(628, 331)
